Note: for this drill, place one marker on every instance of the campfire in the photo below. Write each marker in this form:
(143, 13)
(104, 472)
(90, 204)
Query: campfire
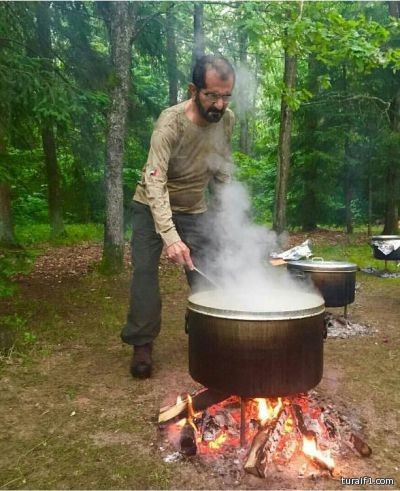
(264, 434)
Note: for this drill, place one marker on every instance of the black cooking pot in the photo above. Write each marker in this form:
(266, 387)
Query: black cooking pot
(378, 240)
(269, 352)
(336, 280)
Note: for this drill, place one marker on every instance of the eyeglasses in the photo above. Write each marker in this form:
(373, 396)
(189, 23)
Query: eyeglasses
(213, 97)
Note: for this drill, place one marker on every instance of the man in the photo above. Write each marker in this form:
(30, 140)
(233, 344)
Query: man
(190, 147)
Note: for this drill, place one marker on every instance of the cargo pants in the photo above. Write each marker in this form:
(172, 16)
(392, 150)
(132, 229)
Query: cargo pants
(143, 322)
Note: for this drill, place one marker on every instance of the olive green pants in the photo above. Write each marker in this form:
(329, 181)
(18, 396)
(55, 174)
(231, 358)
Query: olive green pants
(144, 315)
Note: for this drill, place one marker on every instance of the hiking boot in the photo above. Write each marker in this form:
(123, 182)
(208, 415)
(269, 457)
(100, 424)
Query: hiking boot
(141, 364)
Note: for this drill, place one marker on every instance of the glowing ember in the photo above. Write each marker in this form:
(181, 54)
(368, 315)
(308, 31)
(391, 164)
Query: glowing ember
(218, 441)
(310, 449)
(266, 411)
(281, 432)
(288, 425)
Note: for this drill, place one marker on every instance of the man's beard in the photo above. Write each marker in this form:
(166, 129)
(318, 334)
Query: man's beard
(212, 115)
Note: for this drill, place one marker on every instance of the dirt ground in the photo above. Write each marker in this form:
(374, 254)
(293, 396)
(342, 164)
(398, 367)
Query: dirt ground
(73, 418)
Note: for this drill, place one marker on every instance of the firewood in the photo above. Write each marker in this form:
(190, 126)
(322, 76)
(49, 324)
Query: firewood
(262, 444)
(201, 400)
(187, 440)
(298, 417)
(256, 449)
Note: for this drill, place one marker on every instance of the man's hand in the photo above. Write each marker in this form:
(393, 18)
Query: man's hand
(179, 253)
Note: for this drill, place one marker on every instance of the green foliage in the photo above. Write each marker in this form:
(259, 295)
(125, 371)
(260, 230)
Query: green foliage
(15, 338)
(259, 176)
(13, 262)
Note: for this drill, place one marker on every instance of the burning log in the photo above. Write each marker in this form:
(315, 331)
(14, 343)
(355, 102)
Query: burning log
(201, 400)
(187, 441)
(321, 459)
(264, 444)
(298, 417)
(310, 448)
(358, 444)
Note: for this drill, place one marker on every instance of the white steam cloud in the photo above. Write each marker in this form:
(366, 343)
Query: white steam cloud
(245, 90)
(238, 262)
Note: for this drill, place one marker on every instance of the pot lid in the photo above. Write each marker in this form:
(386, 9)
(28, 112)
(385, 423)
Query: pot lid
(323, 266)
(274, 305)
(385, 237)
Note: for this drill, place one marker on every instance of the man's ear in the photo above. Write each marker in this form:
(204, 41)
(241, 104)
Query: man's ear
(192, 90)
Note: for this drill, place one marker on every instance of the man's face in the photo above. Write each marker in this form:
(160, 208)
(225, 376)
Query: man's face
(213, 100)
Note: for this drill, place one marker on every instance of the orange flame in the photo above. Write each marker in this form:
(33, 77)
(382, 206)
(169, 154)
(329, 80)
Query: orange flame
(288, 427)
(266, 411)
(310, 449)
(218, 441)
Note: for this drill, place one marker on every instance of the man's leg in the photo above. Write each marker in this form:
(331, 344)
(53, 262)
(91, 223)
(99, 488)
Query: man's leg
(144, 315)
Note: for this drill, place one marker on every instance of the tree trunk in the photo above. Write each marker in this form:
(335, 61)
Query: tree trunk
(286, 119)
(47, 131)
(121, 37)
(394, 8)
(7, 236)
(243, 98)
(53, 182)
(309, 172)
(172, 64)
(391, 226)
(369, 201)
(348, 188)
(198, 32)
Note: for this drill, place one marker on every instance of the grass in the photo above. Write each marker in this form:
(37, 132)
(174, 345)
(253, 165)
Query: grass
(37, 234)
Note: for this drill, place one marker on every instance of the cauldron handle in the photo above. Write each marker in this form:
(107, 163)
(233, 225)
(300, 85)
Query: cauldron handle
(187, 322)
(317, 259)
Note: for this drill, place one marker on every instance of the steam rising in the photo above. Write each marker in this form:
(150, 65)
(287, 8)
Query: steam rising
(245, 90)
(238, 259)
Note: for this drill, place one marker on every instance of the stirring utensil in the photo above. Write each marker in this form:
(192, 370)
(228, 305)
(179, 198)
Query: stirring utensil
(205, 276)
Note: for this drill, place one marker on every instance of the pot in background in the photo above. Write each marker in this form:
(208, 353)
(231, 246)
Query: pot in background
(392, 256)
(336, 280)
(275, 352)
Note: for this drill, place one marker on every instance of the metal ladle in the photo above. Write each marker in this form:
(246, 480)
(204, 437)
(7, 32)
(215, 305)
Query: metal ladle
(205, 277)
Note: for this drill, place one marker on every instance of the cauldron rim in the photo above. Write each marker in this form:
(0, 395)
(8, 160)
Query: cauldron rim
(316, 308)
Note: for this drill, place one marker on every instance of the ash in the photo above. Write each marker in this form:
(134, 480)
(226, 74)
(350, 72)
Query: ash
(337, 326)
(337, 430)
(381, 273)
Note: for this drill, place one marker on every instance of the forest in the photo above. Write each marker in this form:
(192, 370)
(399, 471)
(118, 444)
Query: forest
(317, 104)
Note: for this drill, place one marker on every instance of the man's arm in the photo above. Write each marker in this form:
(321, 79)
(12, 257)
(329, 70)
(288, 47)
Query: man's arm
(155, 181)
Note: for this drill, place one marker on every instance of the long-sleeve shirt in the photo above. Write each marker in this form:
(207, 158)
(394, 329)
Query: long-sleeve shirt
(183, 157)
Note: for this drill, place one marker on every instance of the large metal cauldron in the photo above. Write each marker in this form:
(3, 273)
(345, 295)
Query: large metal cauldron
(377, 240)
(277, 351)
(336, 280)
